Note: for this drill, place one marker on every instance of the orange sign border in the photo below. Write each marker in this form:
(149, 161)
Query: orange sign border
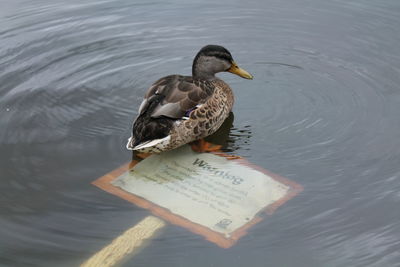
(219, 239)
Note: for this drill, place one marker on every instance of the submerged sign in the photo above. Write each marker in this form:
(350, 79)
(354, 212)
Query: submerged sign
(204, 192)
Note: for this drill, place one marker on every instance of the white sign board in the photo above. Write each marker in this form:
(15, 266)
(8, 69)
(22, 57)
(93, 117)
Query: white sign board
(209, 190)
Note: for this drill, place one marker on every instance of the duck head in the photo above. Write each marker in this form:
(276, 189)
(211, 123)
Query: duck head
(212, 59)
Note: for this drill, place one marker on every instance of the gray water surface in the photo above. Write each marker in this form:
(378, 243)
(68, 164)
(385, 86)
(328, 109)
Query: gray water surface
(323, 110)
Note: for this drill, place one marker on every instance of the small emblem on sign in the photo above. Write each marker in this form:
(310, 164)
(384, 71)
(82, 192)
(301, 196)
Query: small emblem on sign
(224, 223)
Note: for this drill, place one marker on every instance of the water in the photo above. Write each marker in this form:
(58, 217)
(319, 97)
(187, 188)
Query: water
(322, 111)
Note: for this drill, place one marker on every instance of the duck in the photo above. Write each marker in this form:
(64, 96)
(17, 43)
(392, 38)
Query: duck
(178, 110)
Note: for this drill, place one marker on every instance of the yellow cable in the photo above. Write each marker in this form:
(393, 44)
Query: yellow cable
(128, 242)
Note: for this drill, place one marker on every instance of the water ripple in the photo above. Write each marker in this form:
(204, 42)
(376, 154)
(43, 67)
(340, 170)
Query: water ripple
(322, 110)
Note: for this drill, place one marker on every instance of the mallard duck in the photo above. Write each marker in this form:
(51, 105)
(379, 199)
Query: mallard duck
(177, 109)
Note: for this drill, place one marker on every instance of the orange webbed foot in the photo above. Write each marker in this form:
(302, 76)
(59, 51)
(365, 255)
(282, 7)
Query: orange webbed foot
(202, 146)
(227, 156)
(143, 155)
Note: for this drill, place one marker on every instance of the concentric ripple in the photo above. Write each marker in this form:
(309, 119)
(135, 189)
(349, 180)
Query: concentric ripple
(322, 111)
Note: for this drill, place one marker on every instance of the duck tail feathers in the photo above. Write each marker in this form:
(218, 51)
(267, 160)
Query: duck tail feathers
(156, 145)
(131, 143)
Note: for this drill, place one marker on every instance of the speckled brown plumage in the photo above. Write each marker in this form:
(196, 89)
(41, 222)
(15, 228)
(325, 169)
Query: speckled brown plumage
(206, 119)
(179, 109)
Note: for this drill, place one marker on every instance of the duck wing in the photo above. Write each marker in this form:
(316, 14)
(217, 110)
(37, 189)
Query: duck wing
(173, 96)
(168, 99)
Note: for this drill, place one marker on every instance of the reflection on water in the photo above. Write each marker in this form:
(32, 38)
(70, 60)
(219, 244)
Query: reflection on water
(322, 111)
(231, 138)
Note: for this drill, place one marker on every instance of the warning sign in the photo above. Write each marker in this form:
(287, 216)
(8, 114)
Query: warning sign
(204, 192)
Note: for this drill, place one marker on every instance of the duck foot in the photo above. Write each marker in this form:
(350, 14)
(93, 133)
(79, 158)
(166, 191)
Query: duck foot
(227, 156)
(202, 146)
(143, 155)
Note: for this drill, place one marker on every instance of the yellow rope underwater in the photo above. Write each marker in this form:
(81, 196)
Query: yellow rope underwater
(126, 243)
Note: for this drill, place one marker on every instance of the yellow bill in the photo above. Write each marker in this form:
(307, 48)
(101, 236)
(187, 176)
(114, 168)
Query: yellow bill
(235, 69)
